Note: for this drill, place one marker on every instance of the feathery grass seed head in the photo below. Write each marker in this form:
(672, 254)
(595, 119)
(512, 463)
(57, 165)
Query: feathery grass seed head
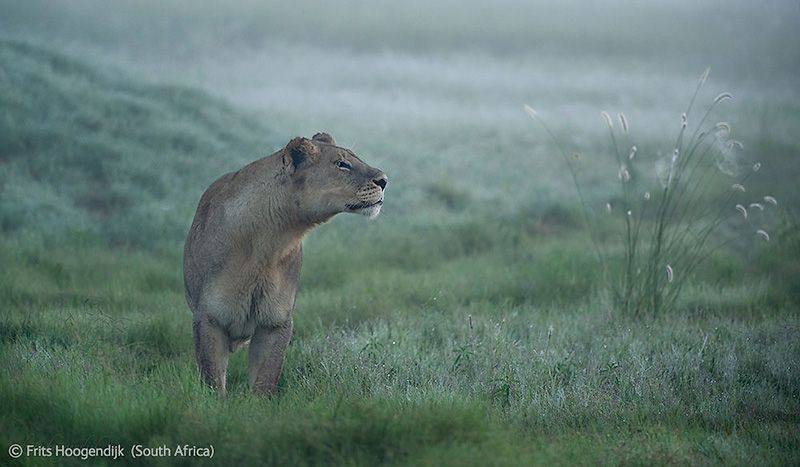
(727, 157)
(771, 200)
(670, 273)
(734, 144)
(763, 234)
(647, 196)
(742, 210)
(633, 152)
(722, 97)
(607, 118)
(624, 122)
(623, 174)
(738, 187)
(756, 166)
(758, 206)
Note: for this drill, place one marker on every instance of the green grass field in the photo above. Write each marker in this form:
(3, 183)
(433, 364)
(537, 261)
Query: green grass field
(470, 323)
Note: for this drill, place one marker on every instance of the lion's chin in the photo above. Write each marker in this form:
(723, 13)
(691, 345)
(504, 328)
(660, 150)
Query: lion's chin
(370, 211)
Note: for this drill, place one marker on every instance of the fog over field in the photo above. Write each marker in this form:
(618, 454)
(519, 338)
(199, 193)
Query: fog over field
(443, 84)
(471, 322)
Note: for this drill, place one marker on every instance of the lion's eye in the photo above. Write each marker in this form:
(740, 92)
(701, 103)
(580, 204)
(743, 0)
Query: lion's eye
(343, 164)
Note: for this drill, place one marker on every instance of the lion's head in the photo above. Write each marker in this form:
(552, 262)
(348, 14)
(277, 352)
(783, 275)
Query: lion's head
(329, 179)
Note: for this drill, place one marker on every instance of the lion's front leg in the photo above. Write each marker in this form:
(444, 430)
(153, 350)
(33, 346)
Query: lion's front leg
(211, 345)
(265, 361)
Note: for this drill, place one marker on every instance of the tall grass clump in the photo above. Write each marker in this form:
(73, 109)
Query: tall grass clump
(673, 219)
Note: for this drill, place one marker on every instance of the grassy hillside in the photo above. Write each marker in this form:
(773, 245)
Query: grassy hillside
(451, 331)
(88, 149)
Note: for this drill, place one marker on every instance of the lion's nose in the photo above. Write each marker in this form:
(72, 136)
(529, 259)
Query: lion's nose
(381, 181)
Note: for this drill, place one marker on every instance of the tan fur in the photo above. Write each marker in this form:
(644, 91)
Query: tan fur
(243, 252)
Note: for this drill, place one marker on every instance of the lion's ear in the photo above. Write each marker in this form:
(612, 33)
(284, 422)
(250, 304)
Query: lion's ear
(298, 152)
(324, 138)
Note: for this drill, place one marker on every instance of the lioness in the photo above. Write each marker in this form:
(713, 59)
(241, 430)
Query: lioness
(241, 261)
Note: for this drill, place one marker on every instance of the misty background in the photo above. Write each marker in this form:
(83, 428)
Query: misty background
(433, 92)
(470, 323)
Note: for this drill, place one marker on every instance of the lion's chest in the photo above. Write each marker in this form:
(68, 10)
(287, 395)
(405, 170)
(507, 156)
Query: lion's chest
(254, 294)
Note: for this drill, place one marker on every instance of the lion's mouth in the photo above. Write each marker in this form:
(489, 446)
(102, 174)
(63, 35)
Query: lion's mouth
(364, 205)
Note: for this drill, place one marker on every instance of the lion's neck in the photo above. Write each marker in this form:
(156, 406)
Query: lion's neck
(269, 226)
